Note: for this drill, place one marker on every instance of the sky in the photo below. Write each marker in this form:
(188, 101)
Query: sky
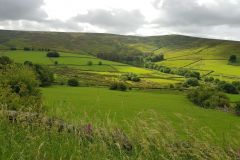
(202, 18)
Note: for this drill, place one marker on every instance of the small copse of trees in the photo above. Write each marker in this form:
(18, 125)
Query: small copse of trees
(232, 59)
(191, 82)
(155, 58)
(53, 54)
(178, 71)
(224, 86)
(131, 77)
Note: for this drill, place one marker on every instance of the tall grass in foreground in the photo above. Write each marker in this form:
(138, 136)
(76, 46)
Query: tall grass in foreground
(146, 137)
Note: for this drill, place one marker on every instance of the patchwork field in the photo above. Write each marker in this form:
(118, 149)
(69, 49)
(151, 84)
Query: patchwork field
(69, 62)
(204, 62)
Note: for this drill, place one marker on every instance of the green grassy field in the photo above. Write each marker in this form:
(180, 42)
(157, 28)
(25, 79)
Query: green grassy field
(74, 103)
(72, 60)
(67, 59)
(218, 66)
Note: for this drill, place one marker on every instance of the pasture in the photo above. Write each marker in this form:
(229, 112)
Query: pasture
(75, 103)
(79, 61)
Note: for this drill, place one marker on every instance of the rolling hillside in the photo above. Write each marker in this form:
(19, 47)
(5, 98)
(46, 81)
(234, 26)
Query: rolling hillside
(207, 56)
(95, 42)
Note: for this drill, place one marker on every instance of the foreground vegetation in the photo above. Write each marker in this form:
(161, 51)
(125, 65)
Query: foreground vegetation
(148, 137)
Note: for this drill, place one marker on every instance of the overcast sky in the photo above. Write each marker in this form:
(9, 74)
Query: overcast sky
(205, 18)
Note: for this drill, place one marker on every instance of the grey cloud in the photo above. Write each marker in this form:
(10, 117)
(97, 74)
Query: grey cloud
(189, 12)
(214, 18)
(116, 21)
(21, 10)
(28, 14)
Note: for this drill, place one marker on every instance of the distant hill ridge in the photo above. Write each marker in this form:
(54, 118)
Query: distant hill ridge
(94, 43)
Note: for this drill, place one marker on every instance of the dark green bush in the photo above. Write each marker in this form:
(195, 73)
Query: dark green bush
(164, 69)
(53, 54)
(208, 98)
(100, 63)
(191, 82)
(232, 59)
(44, 74)
(227, 87)
(217, 100)
(19, 89)
(27, 49)
(135, 79)
(89, 63)
(236, 84)
(113, 86)
(4, 60)
(13, 48)
(217, 81)
(73, 82)
(118, 86)
(28, 63)
(208, 79)
(192, 74)
(171, 86)
(131, 77)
